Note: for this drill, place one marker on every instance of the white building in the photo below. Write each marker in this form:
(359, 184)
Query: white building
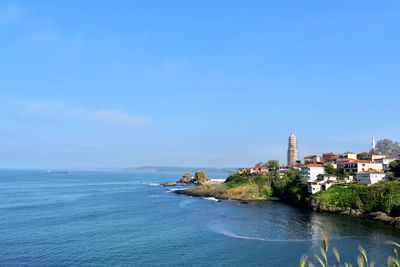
(310, 172)
(327, 177)
(348, 155)
(354, 166)
(315, 187)
(385, 163)
(323, 182)
(370, 177)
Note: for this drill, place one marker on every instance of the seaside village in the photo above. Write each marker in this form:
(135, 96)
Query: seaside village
(370, 170)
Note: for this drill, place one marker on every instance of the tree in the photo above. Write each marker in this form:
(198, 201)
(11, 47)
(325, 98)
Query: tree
(329, 169)
(292, 175)
(387, 147)
(259, 164)
(342, 174)
(363, 156)
(395, 168)
(272, 164)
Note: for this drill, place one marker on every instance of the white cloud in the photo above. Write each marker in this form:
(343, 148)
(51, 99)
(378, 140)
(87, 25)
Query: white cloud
(114, 117)
(109, 117)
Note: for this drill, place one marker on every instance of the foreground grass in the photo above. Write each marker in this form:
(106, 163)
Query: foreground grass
(362, 259)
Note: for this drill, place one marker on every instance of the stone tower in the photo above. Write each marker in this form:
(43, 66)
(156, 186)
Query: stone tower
(293, 153)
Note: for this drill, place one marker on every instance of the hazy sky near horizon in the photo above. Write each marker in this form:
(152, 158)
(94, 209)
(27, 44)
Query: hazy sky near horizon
(194, 83)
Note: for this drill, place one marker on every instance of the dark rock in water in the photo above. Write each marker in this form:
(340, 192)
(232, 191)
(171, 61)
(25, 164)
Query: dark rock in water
(397, 223)
(169, 184)
(244, 202)
(186, 179)
(383, 217)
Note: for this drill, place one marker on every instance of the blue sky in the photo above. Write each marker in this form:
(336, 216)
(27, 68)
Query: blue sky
(194, 83)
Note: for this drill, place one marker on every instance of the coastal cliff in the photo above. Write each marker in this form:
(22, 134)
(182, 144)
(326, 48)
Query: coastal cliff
(221, 191)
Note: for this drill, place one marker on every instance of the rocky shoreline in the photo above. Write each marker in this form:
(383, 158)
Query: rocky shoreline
(319, 206)
(221, 192)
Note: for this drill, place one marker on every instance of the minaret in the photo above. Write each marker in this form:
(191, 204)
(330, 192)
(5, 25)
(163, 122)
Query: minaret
(293, 153)
(373, 143)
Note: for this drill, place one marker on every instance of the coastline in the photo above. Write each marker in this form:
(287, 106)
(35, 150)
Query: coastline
(321, 207)
(220, 192)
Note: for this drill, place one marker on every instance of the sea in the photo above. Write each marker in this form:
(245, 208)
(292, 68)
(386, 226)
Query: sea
(125, 218)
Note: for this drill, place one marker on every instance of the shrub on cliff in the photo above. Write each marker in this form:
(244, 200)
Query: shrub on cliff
(383, 196)
(237, 179)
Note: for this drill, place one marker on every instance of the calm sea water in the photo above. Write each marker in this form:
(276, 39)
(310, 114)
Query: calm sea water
(124, 219)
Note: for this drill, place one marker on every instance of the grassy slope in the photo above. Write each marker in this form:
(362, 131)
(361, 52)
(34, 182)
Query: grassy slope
(246, 192)
(254, 187)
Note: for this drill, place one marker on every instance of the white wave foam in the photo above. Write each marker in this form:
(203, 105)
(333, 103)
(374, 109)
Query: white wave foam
(151, 184)
(212, 199)
(176, 189)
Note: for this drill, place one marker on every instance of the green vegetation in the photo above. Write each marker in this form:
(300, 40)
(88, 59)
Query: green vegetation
(329, 169)
(384, 196)
(363, 156)
(272, 164)
(395, 168)
(262, 181)
(236, 180)
(287, 188)
(362, 258)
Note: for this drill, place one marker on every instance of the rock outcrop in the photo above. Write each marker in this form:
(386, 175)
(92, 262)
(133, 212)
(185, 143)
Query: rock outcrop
(220, 191)
(187, 178)
(325, 207)
(169, 184)
(379, 216)
(200, 177)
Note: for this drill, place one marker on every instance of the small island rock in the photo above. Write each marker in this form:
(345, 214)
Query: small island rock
(186, 178)
(169, 184)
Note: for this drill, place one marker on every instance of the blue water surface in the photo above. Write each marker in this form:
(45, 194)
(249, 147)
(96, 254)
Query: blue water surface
(122, 218)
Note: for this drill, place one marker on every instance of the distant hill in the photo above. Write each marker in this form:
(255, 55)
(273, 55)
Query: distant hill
(182, 169)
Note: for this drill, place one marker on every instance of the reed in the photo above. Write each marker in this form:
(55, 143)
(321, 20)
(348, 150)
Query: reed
(362, 259)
